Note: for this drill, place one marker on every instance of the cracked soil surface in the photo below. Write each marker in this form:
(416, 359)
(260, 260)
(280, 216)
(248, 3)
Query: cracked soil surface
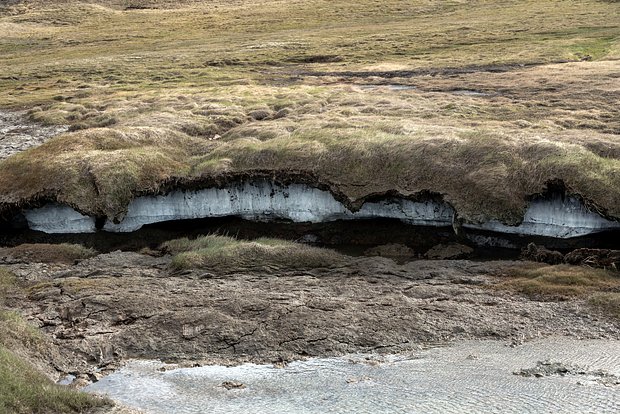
(122, 305)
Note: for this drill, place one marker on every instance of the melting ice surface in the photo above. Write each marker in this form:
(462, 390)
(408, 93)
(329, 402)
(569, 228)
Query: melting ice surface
(56, 218)
(263, 201)
(471, 377)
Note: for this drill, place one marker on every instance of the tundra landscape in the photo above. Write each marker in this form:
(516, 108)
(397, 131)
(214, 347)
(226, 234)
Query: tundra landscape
(218, 183)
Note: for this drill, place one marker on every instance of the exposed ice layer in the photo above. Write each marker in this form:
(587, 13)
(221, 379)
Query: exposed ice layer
(56, 218)
(264, 201)
(558, 217)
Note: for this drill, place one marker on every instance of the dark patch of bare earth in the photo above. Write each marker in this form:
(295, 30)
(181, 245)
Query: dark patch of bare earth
(121, 305)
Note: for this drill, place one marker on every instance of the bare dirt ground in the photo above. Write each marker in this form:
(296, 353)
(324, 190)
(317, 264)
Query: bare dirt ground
(121, 305)
(18, 134)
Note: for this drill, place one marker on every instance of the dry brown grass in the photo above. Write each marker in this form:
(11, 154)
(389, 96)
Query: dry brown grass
(148, 91)
(25, 390)
(484, 174)
(8, 282)
(559, 281)
(607, 303)
(16, 334)
(600, 288)
(49, 253)
(226, 254)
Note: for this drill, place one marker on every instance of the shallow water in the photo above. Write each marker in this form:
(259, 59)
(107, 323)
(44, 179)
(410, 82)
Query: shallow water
(471, 376)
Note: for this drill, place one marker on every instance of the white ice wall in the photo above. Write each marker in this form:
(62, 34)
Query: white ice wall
(264, 201)
(556, 217)
(56, 218)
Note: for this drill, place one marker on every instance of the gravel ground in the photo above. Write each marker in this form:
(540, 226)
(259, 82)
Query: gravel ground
(18, 134)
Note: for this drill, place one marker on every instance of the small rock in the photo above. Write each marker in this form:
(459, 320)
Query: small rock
(67, 380)
(281, 363)
(354, 380)
(449, 251)
(232, 385)
(516, 342)
(190, 332)
(390, 250)
(97, 376)
(81, 381)
(372, 362)
(541, 254)
(309, 239)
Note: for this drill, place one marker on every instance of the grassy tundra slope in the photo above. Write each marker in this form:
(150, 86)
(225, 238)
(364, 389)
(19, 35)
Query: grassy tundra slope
(505, 96)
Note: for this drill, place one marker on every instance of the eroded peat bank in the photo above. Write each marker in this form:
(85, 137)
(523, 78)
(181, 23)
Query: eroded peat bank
(252, 202)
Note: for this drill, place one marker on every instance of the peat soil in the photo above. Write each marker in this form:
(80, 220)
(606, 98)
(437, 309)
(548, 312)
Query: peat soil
(101, 311)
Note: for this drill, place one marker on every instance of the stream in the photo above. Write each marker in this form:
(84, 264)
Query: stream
(575, 376)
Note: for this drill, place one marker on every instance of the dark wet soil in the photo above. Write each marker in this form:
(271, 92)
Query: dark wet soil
(427, 72)
(349, 237)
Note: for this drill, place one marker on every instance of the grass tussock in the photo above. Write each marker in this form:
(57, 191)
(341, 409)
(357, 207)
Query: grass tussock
(8, 282)
(600, 288)
(50, 253)
(228, 254)
(15, 332)
(560, 281)
(24, 390)
(607, 303)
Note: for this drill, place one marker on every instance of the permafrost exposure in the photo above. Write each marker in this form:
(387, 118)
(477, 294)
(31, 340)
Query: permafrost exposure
(265, 201)
(57, 218)
(559, 217)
